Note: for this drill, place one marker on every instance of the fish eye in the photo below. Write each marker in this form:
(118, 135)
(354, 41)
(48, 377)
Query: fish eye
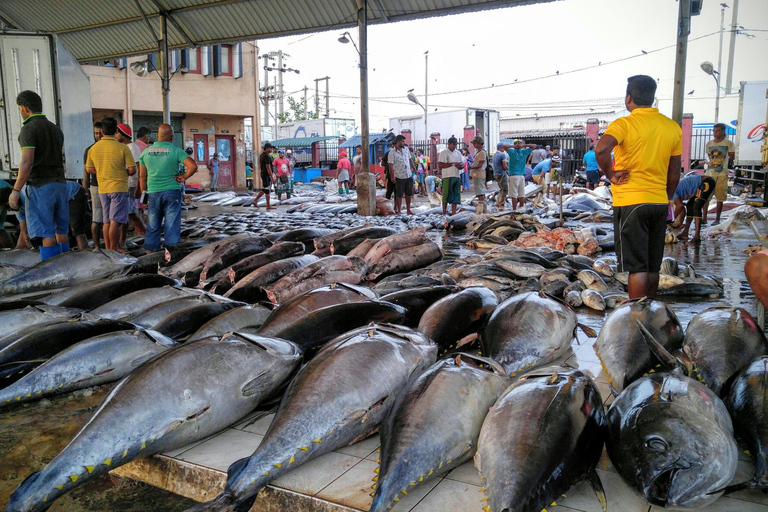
(656, 444)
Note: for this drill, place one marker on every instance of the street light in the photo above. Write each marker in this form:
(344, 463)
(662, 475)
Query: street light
(709, 69)
(344, 40)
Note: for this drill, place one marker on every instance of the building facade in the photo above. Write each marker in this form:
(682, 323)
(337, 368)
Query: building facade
(210, 102)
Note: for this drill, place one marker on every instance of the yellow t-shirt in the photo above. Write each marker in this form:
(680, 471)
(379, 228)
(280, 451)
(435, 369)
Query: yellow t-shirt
(646, 140)
(111, 158)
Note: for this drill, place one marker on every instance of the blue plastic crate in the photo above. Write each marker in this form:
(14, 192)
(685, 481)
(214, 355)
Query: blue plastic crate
(306, 175)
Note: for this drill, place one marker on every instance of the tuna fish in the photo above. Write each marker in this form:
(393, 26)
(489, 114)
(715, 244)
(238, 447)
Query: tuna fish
(434, 425)
(746, 403)
(279, 251)
(340, 396)
(186, 321)
(417, 300)
(593, 299)
(100, 293)
(91, 362)
(329, 295)
(33, 346)
(361, 249)
(153, 315)
(244, 318)
(143, 416)
(314, 329)
(328, 270)
(528, 330)
(141, 300)
(455, 316)
(542, 436)
(232, 251)
(250, 287)
(19, 258)
(405, 259)
(671, 440)
(15, 320)
(69, 269)
(519, 268)
(394, 243)
(194, 261)
(352, 240)
(592, 280)
(621, 347)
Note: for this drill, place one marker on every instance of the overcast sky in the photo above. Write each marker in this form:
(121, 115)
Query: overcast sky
(508, 59)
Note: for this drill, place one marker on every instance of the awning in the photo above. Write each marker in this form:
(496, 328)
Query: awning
(357, 140)
(299, 142)
(95, 29)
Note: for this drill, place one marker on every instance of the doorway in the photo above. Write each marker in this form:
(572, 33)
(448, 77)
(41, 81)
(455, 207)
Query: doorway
(225, 145)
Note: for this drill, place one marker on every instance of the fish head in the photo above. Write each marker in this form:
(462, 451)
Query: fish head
(678, 461)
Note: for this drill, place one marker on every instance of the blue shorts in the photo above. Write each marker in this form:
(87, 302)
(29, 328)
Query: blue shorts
(46, 209)
(115, 207)
(593, 177)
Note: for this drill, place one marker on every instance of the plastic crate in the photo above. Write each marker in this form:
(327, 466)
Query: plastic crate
(306, 175)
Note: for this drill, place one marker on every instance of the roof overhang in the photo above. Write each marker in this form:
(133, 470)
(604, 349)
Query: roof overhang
(95, 29)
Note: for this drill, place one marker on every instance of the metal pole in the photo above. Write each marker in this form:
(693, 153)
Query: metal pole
(317, 97)
(274, 94)
(280, 77)
(166, 79)
(426, 94)
(306, 116)
(327, 98)
(720, 50)
(732, 48)
(717, 98)
(266, 92)
(683, 29)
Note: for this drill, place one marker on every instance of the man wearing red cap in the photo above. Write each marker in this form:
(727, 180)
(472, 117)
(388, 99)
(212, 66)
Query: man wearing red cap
(344, 167)
(112, 162)
(125, 135)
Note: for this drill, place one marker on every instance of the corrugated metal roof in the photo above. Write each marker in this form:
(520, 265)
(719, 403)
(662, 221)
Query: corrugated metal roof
(358, 139)
(95, 29)
(299, 142)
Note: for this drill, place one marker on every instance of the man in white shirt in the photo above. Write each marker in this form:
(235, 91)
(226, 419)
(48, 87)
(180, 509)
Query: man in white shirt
(477, 173)
(450, 162)
(401, 171)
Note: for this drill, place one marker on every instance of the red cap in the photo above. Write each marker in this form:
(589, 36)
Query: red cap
(125, 130)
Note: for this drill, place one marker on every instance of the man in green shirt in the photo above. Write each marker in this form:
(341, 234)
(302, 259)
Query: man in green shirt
(159, 177)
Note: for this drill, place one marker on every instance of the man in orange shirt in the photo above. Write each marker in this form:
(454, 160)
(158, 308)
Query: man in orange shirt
(647, 147)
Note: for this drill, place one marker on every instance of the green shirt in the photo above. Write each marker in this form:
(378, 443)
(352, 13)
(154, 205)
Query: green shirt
(162, 161)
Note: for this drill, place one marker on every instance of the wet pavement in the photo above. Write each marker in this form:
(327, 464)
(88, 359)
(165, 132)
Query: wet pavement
(32, 435)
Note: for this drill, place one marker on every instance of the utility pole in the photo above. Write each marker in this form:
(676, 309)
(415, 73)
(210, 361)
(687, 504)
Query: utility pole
(732, 48)
(265, 99)
(306, 114)
(274, 94)
(683, 29)
(317, 96)
(426, 99)
(280, 77)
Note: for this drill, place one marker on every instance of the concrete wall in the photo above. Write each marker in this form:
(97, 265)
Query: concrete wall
(213, 105)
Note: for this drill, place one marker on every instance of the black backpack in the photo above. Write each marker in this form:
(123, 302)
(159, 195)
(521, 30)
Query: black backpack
(488, 167)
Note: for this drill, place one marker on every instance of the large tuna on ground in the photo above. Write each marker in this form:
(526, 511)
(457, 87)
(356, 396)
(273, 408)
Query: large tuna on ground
(621, 346)
(543, 435)
(340, 396)
(671, 440)
(458, 315)
(434, 425)
(143, 415)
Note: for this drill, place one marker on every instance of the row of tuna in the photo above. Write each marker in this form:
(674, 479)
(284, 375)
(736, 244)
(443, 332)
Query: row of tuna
(654, 424)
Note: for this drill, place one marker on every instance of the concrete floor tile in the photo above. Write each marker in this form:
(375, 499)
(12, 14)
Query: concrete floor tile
(745, 471)
(311, 477)
(581, 497)
(220, 451)
(726, 504)
(619, 495)
(353, 488)
(466, 473)
(451, 495)
(605, 462)
(178, 451)
(259, 426)
(361, 449)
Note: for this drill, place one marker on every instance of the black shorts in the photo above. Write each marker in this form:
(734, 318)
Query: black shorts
(404, 187)
(77, 209)
(266, 182)
(695, 207)
(639, 231)
(593, 177)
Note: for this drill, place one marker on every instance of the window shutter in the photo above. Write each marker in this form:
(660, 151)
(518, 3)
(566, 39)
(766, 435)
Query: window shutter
(122, 63)
(237, 60)
(206, 60)
(152, 58)
(216, 60)
(184, 57)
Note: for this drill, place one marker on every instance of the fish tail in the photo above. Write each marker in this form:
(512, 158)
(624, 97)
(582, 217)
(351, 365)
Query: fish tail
(27, 497)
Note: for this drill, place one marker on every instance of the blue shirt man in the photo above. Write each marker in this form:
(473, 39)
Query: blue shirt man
(518, 155)
(687, 187)
(542, 167)
(590, 160)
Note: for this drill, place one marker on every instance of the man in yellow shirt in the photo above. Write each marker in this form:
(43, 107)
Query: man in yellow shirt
(112, 162)
(647, 147)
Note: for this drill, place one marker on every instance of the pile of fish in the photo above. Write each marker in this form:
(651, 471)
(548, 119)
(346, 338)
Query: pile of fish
(344, 326)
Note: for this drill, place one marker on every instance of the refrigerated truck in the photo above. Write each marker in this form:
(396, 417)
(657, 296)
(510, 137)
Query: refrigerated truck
(452, 123)
(40, 63)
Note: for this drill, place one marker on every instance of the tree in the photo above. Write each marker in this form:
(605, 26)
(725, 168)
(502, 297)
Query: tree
(297, 111)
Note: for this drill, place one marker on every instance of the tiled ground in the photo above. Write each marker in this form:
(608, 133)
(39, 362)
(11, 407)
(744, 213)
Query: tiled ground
(344, 477)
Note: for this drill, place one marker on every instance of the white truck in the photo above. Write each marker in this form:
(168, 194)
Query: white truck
(321, 127)
(39, 63)
(750, 139)
(452, 122)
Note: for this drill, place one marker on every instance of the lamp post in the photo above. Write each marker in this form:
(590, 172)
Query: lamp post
(709, 69)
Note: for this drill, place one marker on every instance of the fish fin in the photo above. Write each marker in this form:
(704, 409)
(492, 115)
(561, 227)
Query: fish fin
(254, 386)
(591, 333)
(749, 484)
(467, 340)
(658, 350)
(496, 367)
(597, 486)
(614, 391)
